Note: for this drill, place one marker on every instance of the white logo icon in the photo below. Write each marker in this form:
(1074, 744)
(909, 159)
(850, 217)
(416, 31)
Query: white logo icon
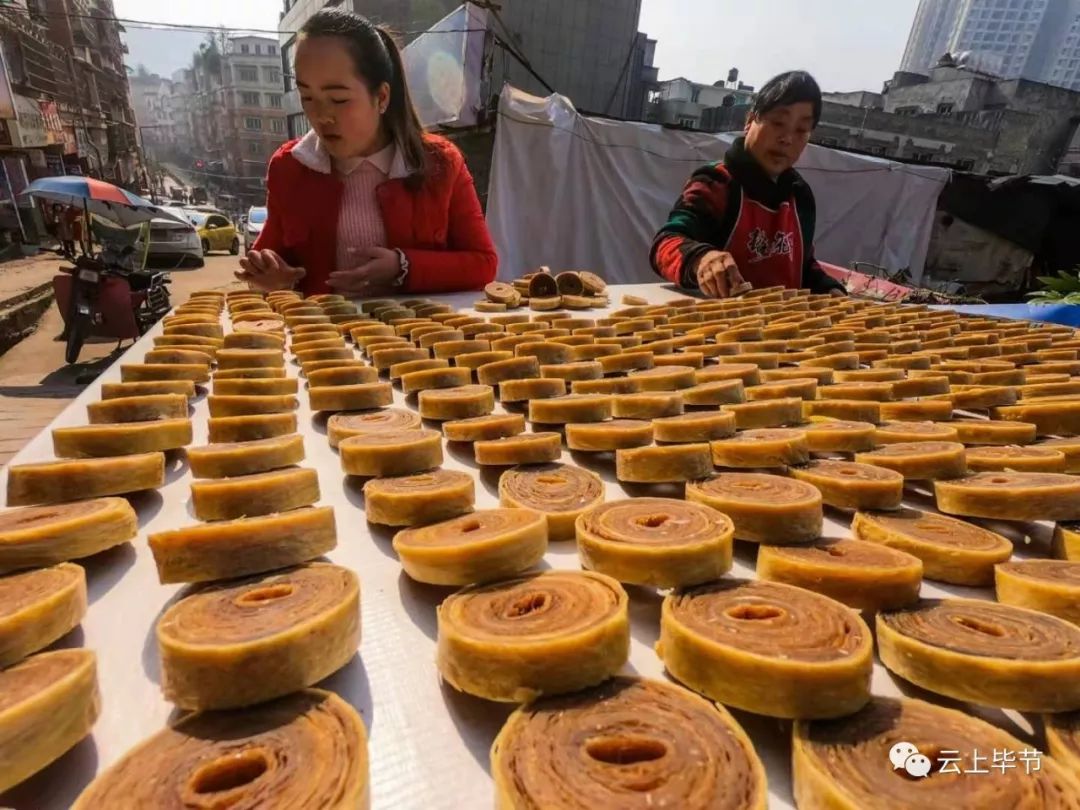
(905, 755)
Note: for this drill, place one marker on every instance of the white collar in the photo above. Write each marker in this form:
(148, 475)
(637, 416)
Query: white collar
(311, 153)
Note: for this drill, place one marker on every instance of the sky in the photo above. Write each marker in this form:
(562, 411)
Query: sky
(846, 44)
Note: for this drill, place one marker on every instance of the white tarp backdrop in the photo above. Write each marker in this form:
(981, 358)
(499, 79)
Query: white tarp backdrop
(570, 191)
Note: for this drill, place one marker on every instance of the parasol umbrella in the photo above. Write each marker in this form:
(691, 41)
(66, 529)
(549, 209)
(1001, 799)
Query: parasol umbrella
(99, 198)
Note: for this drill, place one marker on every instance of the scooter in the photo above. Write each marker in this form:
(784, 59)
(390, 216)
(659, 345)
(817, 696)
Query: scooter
(105, 299)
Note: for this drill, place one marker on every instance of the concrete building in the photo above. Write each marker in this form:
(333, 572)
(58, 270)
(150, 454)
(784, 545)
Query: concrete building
(1037, 40)
(858, 98)
(151, 98)
(681, 102)
(591, 52)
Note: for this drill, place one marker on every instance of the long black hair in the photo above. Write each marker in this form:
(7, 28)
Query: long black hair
(377, 58)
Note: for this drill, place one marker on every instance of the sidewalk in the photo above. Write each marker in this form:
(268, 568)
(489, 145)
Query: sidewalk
(25, 294)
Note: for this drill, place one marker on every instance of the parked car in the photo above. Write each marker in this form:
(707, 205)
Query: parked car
(256, 218)
(174, 243)
(216, 232)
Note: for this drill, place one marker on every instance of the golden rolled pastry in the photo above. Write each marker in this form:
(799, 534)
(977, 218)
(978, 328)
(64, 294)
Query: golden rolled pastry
(661, 542)
(463, 402)
(1011, 496)
(595, 750)
(717, 392)
(849, 485)
(150, 388)
(529, 389)
(951, 550)
(615, 434)
(250, 358)
(247, 404)
(747, 373)
(694, 427)
(525, 448)
(342, 375)
(50, 702)
(559, 492)
(61, 481)
(245, 458)
(767, 414)
(767, 648)
(483, 546)
(632, 360)
(850, 410)
(764, 508)
(341, 426)
(484, 428)
(1048, 586)
(268, 387)
(919, 461)
(779, 447)
(1051, 416)
(38, 607)
(123, 439)
(667, 464)
(844, 764)
(308, 749)
(839, 436)
(152, 372)
(256, 639)
(665, 378)
(226, 549)
(416, 500)
(358, 397)
(645, 405)
(1019, 459)
(982, 397)
(905, 432)
(253, 495)
(250, 374)
(545, 634)
(40, 536)
(984, 653)
(233, 429)
(1063, 738)
(138, 409)
(1069, 447)
(1066, 542)
(801, 387)
(573, 408)
(864, 576)
(982, 432)
(386, 453)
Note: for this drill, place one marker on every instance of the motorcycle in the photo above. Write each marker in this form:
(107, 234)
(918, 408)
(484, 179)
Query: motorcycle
(103, 298)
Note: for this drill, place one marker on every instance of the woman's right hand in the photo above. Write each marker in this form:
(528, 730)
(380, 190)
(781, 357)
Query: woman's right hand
(718, 274)
(265, 270)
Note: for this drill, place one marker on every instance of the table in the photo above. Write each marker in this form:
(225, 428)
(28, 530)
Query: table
(428, 743)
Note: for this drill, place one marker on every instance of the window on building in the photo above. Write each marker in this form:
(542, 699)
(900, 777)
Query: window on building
(244, 48)
(907, 110)
(252, 123)
(945, 108)
(272, 75)
(277, 125)
(876, 149)
(273, 100)
(249, 99)
(272, 50)
(258, 48)
(686, 121)
(966, 165)
(247, 73)
(253, 148)
(922, 157)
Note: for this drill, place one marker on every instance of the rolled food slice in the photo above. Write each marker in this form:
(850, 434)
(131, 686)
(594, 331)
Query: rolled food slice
(951, 550)
(60, 481)
(667, 464)
(482, 546)
(138, 409)
(463, 402)
(546, 634)
(253, 640)
(764, 508)
(305, 750)
(560, 492)
(849, 485)
(844, 764)
(48, 703)
(122, 439)
(1011, 496)
(690, 428)
(484, 428)
(862, 575)
(1049, 586)
(661, 542)
(767, 648)
(751, 449)
(40, 536)
(903, 432)
(401, 453)
(525, 448)
(984, 653)
(980, 431)
(629, 743)
(38, 607)
(1011, 457)
(253, 495)
(416, 500)
(226, 549)
(245, 458)
(605, 437)
(343, 425)
(919, 461)
(839, 436)
(1063, 739)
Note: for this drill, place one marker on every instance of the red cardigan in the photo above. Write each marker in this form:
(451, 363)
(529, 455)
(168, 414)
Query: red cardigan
(440, 227)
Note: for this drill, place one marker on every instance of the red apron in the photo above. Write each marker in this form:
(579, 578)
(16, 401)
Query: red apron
(767, 245)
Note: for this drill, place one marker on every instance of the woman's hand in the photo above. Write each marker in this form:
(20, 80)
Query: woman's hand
(265, 270)
(377, 270)
(718, 274)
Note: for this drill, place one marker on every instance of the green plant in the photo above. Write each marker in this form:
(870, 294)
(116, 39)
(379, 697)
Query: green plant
(1064, 288)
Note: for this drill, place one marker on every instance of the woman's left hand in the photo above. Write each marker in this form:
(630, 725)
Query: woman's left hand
(376, 271)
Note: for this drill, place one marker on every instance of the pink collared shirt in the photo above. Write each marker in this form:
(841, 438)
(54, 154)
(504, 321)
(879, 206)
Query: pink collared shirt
(360, 222)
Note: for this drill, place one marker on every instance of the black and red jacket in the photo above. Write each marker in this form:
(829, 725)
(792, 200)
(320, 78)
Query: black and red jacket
(734, 206)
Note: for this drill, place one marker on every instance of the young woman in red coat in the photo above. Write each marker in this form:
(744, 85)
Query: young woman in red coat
(366, 204)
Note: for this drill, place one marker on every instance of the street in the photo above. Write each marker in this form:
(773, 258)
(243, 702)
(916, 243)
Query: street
(36, 383)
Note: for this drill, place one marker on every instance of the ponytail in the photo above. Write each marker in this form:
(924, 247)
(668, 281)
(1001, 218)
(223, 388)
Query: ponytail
(378, 61)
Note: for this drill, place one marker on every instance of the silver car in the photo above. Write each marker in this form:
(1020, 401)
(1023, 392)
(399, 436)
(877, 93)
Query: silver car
(256, 218)
(175, 244)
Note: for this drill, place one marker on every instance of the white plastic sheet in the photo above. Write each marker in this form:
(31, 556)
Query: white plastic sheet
(571, 191)
(444, 68)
